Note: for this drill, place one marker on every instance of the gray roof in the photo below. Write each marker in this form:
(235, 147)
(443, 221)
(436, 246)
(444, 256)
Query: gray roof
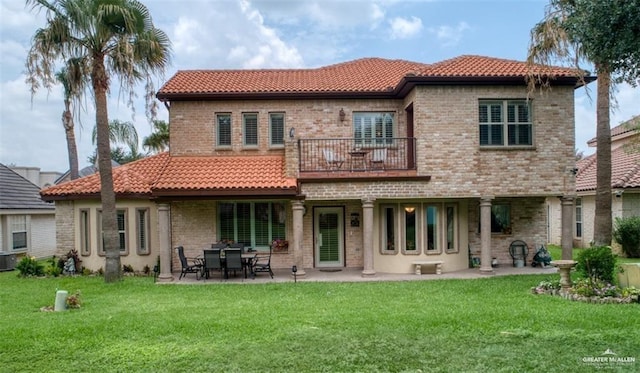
(16, 192)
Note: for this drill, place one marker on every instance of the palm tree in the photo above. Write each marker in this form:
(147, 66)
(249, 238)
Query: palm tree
(112, 38)
(158, 140)
(553, 39)
(73, 83)
(123, 133)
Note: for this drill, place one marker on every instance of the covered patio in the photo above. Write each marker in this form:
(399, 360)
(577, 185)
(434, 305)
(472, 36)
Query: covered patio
(355, 275)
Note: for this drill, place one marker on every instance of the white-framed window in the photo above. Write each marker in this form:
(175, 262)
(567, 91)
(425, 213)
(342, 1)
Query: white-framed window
(250, 125)
(223, 130)
(18, 230)
(121, 226)
(578, 217)
(505, 123)
(388, 229)
(254, 224)
(85, 236)
(423, 228)
(276, 129)
(373, 128)
(142, 231)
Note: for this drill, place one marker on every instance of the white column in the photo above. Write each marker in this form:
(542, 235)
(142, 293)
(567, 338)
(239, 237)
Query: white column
(485, 235)
(298, 234)
(566, 241)
(164, 233)
(367, 237)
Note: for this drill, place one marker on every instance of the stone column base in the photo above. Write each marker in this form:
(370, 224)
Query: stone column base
(165, 278)
(368, 273)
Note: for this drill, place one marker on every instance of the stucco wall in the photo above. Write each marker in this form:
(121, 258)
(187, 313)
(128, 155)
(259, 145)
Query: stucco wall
(68, 232)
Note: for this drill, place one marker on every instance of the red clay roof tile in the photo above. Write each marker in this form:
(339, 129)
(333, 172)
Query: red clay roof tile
(372, 75)
(625, 170)
(480, 66)
(176, 174)
(363, 75)
(220, 173)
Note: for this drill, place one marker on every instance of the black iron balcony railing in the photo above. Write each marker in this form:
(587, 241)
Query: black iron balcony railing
(357, 155)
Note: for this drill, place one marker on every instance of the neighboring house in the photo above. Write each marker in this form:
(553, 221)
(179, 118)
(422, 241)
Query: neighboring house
(370, 164)
(27, 223)
(43, 179)
(85, 171)
(625, 184)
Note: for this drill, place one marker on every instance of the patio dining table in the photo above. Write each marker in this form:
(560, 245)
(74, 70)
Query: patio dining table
(247, 263)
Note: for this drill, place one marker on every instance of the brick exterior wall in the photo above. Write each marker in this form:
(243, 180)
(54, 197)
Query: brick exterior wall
(65, 227)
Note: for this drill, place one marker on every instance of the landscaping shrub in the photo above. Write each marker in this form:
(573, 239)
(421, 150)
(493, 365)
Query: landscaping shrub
(29, 266)
(597, 263)
(627, 233)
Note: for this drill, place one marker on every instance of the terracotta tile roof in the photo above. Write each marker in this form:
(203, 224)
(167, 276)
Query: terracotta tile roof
(224, 173)
(367, 75)
(363, 75)
(132, 178)
(480, 66)
(625, 170)
(624, 128)
(165, 174)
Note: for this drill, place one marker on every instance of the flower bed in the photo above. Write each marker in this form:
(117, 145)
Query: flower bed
(588, 291)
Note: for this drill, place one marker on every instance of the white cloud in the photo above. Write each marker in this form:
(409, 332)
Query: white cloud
(403, 28)
(450, 36)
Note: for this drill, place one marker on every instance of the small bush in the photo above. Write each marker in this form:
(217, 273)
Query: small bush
(627, 233)
(595, 288)
(29, 266)
(73, 300)
(127, 268)
(597, 263)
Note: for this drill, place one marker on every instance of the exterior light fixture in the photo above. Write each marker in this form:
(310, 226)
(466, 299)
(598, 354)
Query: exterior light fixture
(294, 270)
(292, 132)
(342, 115)
(410, 209)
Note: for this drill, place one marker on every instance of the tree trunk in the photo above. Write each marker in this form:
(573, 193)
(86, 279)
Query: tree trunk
(72, 149)
(603, 220)
(110, 237)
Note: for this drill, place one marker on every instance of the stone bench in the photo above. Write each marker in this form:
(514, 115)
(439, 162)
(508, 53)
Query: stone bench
(420, 263)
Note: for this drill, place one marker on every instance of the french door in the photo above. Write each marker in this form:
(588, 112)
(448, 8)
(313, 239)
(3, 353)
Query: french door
(329, 236)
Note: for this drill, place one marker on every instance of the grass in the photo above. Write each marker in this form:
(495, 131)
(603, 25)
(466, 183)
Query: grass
(491, 324)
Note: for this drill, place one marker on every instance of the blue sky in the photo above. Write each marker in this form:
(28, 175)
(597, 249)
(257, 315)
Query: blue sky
(257, 34)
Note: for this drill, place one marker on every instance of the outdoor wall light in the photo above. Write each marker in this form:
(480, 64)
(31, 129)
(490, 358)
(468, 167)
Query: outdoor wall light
(342, 115)
(410, 209)
(292, 132)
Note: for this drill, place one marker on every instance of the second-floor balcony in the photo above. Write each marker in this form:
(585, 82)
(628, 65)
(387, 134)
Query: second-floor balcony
(352, 157)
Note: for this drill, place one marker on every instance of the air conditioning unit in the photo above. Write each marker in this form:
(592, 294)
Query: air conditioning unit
(7, 262)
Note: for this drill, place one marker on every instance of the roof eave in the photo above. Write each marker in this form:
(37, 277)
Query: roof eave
(227, 192)
(408, 82)
(192, 96)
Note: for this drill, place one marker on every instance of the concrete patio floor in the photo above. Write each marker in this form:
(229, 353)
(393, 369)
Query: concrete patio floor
(355, 275)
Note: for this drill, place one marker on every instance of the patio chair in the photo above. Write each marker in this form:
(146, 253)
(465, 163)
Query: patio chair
(378, 158)
(219, 246)
(212, 261)
(233, 260)
(332, 161)
(189, 265)
(262, 263)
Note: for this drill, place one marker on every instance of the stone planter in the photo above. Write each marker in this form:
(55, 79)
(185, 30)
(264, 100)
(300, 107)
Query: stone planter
(629, 275)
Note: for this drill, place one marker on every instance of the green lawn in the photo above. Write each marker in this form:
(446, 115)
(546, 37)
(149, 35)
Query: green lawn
(485, 325)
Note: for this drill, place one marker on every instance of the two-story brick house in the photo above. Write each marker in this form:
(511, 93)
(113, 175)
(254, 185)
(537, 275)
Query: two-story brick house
(369, 164)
